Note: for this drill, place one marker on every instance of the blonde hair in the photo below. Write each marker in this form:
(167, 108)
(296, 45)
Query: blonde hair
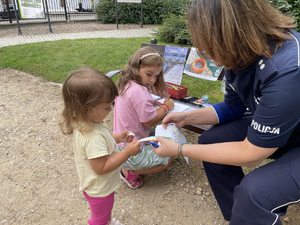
(83, 89)
(234, 33)
(143, 57)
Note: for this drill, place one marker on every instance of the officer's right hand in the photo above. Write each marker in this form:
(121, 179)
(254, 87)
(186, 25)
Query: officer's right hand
(178, 118)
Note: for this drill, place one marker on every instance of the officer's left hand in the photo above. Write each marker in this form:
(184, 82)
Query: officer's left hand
(166, 147)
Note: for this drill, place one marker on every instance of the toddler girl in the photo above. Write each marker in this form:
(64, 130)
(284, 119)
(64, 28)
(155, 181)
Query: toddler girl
(88, 96)
(135, 110)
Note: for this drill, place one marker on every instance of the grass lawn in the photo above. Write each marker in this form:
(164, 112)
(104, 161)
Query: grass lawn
(54, 60)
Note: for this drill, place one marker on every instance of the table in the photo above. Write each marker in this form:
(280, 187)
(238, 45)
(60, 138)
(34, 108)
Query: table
(182, 107)
(199, 129)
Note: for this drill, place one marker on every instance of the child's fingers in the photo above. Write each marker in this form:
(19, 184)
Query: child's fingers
(130, 136)
(130, 133)
(135, 142)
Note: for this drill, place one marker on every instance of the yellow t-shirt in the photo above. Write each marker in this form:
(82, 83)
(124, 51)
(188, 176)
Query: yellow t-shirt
(97, 143)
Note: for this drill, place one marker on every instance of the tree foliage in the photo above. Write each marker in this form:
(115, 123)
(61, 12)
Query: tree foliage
(289, 7)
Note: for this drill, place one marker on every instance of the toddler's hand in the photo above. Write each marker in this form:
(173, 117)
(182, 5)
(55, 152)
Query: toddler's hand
(130, 136)
(170, 103)
(125, 136)
(133, 147)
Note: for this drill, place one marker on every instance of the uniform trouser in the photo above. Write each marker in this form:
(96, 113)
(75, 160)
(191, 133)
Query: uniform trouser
(259, 197)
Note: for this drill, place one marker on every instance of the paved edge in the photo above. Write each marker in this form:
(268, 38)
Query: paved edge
(128, 33)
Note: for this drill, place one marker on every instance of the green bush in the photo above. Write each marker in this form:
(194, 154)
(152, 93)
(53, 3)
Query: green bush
(155, 11)
(174, 30)
(289, 7)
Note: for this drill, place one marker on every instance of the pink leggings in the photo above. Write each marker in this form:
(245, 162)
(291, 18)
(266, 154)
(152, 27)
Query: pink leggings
(101, 208)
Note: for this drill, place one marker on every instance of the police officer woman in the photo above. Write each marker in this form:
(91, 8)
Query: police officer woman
(261, 55)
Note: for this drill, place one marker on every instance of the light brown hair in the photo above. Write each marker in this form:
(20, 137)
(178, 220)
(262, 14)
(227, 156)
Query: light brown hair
(235, 32)
(131, 71)
(83, 89)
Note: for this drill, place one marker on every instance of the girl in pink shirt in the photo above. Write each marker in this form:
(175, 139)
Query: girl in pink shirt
(135, 110)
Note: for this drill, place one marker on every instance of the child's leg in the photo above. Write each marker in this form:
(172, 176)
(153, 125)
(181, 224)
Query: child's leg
(155, 169)
(146, 162)
(151, 170)
(101, 208)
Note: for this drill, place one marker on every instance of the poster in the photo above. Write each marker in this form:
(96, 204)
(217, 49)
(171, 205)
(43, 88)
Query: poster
(31, 9)
(174, 60)
(200, 66)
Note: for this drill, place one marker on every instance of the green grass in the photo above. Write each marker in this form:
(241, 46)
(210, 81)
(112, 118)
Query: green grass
(198, 87)
(54, 60)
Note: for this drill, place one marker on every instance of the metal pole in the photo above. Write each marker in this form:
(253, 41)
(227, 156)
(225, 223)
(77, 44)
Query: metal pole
(117, 14)
(17, 17)
(8, 10)
(65, 8)
(142, 13)
(47, 11)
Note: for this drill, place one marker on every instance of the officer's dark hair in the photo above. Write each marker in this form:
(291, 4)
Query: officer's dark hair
(235, 32)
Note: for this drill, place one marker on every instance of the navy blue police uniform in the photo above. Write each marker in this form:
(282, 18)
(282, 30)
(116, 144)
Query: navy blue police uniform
(270, 90)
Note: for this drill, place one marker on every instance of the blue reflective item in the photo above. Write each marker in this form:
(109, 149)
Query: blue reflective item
(154, 144)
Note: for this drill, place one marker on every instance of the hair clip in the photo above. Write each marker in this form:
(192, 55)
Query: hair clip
(149, 54)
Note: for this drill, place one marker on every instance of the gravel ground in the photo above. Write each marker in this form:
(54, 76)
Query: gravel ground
(39, 181)
(39, 184)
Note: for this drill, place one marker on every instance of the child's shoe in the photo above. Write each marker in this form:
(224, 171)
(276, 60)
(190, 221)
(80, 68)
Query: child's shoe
(132, 179)
(115, 222)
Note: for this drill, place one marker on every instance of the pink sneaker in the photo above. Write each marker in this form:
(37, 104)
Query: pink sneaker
(132, 179)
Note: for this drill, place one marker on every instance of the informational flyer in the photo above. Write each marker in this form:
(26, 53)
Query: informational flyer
(31, 9)
(200, 66)
(174, 60)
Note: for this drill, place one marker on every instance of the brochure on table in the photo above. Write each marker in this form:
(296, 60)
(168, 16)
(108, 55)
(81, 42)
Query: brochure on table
(200, 66)
(182, 107)
(174, 60)
(178, 106)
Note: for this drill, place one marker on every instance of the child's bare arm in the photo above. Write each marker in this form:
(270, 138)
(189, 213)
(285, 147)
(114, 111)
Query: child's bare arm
(106, 164)
(162, 111)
